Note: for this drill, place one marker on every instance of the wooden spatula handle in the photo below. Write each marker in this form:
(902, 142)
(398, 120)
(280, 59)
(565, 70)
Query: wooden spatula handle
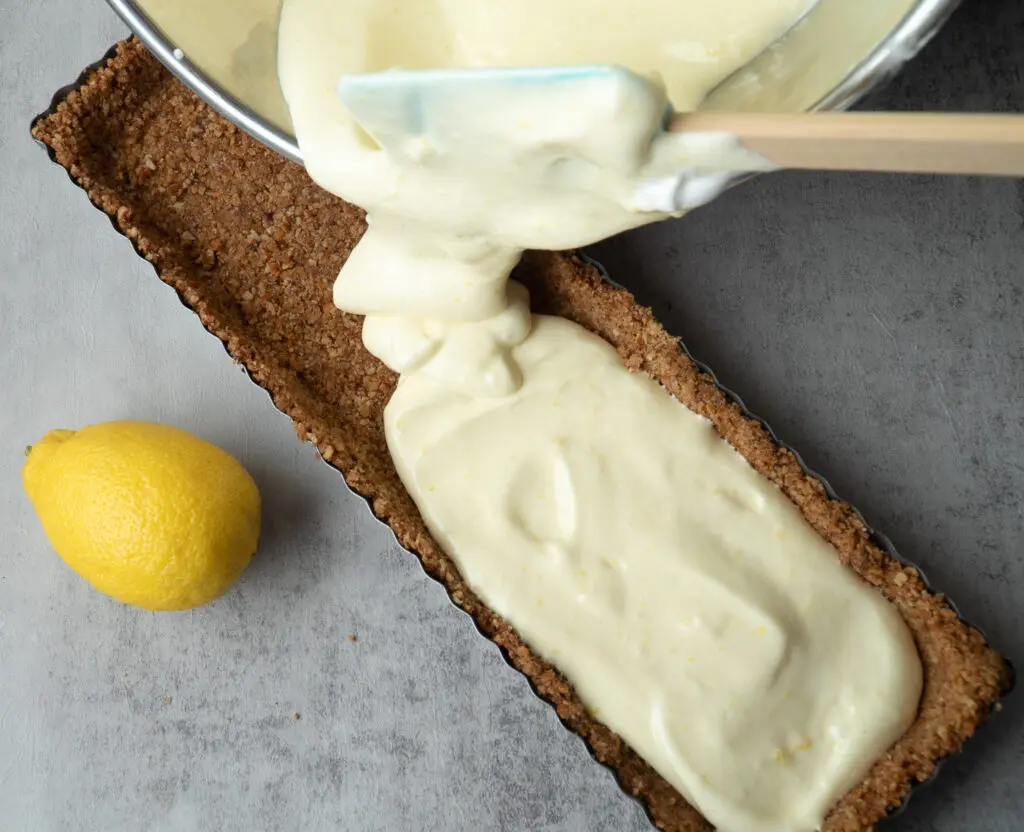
(959, 143)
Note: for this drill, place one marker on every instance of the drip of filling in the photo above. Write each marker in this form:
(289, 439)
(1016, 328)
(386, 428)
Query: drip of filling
(681, 594)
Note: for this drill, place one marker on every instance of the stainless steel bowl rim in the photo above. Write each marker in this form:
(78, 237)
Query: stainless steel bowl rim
(193, 77)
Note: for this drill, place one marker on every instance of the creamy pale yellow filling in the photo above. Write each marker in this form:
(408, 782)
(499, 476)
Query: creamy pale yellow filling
(682, 594)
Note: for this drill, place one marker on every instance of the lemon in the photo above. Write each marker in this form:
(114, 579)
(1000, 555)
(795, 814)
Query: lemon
(148, 514)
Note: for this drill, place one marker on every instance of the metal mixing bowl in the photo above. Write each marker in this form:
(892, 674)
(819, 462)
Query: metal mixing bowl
(226, 51)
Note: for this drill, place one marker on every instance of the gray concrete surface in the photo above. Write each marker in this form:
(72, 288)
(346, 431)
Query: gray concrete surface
(877, 323)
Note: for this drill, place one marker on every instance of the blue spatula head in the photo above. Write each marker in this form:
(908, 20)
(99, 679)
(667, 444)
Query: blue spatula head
(457, 109)
(399, 102)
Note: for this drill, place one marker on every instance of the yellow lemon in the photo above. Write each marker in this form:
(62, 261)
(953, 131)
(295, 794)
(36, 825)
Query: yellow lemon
(147, 513)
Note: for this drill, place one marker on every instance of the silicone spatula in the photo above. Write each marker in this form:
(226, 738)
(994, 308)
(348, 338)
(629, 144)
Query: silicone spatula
(396, 105)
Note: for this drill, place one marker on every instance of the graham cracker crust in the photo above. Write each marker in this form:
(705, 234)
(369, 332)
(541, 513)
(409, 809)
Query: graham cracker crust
(253, 247)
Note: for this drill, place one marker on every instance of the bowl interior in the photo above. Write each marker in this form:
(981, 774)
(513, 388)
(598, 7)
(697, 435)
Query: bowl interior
(835, 55)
